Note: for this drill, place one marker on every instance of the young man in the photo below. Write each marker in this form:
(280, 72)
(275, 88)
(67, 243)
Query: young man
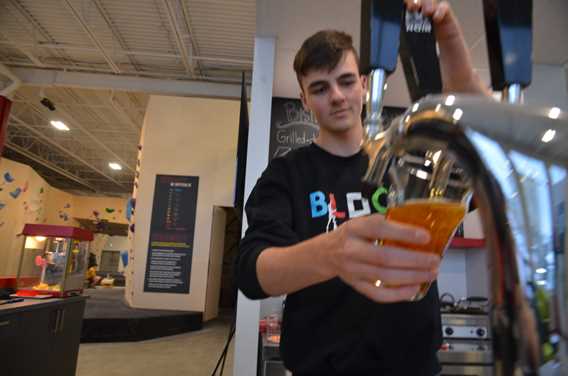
(312, 235)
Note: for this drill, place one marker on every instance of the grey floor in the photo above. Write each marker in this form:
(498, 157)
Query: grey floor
(188, 354)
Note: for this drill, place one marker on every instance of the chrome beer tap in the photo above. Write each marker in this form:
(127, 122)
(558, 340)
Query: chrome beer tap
(380, 38)
(518, 177)
(514, 159)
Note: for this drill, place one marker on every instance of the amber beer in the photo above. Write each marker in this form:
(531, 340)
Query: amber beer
(441, 218)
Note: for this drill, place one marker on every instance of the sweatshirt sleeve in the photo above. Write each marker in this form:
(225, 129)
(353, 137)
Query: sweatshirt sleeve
(270, 221)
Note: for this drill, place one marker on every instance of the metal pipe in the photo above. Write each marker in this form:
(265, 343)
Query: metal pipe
(513, 94)
(374, 102)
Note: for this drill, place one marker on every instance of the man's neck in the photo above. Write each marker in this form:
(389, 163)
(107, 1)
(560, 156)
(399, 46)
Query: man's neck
(341, 144)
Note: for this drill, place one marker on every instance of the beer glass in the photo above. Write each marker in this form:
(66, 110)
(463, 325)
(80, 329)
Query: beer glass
(426, 189)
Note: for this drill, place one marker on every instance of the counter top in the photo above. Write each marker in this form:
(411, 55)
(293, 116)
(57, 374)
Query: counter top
(31, 304)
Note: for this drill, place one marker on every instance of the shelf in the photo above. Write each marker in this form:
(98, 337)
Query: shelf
(461, 243)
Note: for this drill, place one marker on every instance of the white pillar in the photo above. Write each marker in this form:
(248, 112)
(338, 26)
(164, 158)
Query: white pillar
(248, 311)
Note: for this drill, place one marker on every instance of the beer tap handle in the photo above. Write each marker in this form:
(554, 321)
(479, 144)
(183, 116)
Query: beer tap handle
(419, 57)
(380, 38)
(508, 28)
(380, 34)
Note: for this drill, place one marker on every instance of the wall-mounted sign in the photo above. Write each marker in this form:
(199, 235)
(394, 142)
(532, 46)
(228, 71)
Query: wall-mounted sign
(170, 248)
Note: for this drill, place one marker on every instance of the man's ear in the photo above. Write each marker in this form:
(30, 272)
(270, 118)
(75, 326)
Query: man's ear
(364, 82)
(304, 103)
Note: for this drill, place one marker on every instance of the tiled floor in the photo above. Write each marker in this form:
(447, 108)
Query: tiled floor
(190, 354)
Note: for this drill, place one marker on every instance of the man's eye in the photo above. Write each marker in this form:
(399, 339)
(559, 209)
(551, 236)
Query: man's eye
(318, 90)
(347, 82)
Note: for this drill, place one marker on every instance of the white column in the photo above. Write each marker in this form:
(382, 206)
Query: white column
(248, 311)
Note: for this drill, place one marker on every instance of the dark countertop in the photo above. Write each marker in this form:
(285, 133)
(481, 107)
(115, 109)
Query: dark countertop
(31, 304)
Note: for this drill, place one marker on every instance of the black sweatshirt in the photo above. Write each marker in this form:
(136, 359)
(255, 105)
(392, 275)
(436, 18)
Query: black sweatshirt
(329, 328)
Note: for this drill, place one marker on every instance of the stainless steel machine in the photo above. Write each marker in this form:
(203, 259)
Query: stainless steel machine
(514, 159)
(466, 349)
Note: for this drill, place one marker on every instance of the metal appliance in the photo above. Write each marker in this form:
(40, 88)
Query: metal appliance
(466, 348)
(514, 160)
(519, 176)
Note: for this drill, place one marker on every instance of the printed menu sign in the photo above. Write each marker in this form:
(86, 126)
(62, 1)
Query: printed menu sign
(170, 248)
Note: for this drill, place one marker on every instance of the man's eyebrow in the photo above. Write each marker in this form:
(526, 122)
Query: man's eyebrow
(317, 83)
(347, 75)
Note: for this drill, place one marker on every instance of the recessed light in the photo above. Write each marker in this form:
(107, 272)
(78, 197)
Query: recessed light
(115, 166)
(541, 270)
(59, 125)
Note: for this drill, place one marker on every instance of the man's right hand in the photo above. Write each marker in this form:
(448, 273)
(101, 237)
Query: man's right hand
(458, 75)
(360, 262)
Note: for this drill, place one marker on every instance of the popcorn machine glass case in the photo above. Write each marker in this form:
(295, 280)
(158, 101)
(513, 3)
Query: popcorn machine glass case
(53, 261)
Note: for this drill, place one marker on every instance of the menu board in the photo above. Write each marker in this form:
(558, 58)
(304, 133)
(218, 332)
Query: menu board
(290, 126)
(170, 248)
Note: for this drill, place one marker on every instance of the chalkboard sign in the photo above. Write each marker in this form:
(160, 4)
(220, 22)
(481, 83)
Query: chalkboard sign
(170, 248)
(292, 127)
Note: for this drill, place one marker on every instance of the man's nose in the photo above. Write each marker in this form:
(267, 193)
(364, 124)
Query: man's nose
(336, 94)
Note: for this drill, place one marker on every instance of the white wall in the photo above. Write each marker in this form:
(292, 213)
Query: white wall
(185, 136)
(548, 87)
(452, 278)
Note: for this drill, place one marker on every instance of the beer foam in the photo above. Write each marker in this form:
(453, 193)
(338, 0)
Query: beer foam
(435, 200)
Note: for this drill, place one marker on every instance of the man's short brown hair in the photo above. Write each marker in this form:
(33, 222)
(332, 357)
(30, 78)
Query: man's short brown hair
(323, 50)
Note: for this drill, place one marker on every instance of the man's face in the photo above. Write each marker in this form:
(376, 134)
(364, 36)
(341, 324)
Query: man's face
(335, 97)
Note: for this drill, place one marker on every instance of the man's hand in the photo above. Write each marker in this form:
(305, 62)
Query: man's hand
(455, 61)
(360, 262)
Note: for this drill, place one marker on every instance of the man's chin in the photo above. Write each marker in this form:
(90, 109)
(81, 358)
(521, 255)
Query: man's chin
(340, 128)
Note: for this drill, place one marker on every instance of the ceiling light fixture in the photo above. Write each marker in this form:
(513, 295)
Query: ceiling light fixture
(115, 166)
(59, 125)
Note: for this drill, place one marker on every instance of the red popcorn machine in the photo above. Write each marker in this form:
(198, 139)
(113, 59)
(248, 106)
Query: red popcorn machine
(53, 261)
